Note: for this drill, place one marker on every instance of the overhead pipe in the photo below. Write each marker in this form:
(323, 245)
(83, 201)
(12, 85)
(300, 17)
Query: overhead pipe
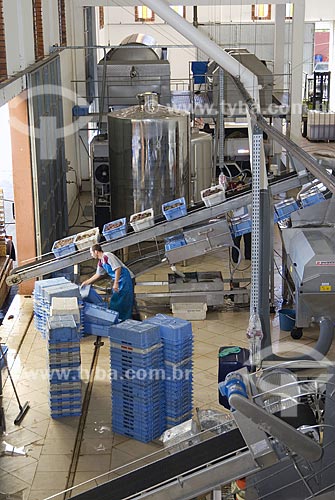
(202, 42)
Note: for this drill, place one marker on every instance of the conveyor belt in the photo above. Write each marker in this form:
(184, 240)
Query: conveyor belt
(168, 468)
(196, 215)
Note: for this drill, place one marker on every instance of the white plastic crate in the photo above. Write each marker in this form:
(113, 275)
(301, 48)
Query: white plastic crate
(87, 238)
(140, 220)
(65, 305)
(190, 310)
(213, 195)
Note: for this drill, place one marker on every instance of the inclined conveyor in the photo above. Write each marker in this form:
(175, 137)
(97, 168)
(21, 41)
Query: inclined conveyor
(47, 264)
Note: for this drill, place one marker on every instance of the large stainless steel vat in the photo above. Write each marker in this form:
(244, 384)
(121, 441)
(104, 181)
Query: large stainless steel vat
(201, 163)
(149, 149)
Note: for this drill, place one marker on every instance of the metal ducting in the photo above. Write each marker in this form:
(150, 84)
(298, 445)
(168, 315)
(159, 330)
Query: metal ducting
(130, 69)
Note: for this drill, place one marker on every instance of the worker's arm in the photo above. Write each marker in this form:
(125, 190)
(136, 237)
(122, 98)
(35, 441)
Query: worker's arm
(91, 280)
(116, 279)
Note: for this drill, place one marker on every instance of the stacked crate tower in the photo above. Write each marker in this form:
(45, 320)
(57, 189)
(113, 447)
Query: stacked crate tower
(44, 292)
(136, 355)
(177, 338)
(64, 366)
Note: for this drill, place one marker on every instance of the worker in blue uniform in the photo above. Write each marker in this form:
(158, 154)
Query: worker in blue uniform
(122, 298)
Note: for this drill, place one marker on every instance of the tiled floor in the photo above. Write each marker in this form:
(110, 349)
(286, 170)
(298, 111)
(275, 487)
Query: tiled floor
(49, 444)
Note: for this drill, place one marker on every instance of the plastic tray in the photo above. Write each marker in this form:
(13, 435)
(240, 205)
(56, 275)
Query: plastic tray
(65, 246)
(312, 199)
(87, 238)
(285, 208)
(116, 232)
(145, 223)
(174, 209)
(218, 195)
(241, 225)
(175, 241)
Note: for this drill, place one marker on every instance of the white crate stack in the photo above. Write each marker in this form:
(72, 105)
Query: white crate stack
(320, 125)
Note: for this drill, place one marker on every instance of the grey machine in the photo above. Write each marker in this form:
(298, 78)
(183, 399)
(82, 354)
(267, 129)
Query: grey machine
(310, 264)
(130, 69)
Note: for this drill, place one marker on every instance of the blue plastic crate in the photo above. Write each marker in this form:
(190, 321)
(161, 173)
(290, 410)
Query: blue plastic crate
(64, 247)
(137, 363)
(138, 423)
(64, 400)
(58, 392)
(181, 372)
(171, 422)
(65, 375)
(312, 199)
(115, 229)
(175, 355)
(100, 314)
(140, 435)
(175, 241)
(174, 209)
(88, 294)
(129, 390)
(153, 398)
(58, 415)
(174, 330)
(94, 329)
(73, 347)
(285, 208)
(241, 225)
(135, 333)
(138, 408)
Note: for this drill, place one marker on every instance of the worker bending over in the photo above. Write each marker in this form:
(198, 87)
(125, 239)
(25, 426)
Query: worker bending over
(122, 297)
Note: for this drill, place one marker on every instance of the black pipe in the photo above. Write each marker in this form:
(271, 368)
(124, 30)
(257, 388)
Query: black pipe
(265, 217)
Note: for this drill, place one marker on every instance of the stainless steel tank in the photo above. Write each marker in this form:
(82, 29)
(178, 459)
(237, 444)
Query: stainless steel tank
(149, 148)
(201, 163)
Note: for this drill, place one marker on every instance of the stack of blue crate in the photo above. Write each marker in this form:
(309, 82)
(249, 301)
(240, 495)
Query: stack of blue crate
(98, 319)
(63, 289)
(64, 366)
(40, 314)
(138, 409)
(177, 338)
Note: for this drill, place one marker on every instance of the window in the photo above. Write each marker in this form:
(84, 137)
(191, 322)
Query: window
(289, 11)
(62, 22)
(144, 15)
(3, 59)
(180, 9)
(261, 12)
(101, 18)
(38, 29)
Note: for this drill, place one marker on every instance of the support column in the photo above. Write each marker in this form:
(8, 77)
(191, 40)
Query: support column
(297, 68)
(279, 47)
(22, 184)
(332, 66)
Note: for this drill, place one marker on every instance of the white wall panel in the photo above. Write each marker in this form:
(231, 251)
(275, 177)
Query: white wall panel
(50, 24)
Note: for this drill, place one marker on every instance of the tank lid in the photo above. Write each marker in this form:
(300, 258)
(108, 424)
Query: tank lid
(148, 101)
